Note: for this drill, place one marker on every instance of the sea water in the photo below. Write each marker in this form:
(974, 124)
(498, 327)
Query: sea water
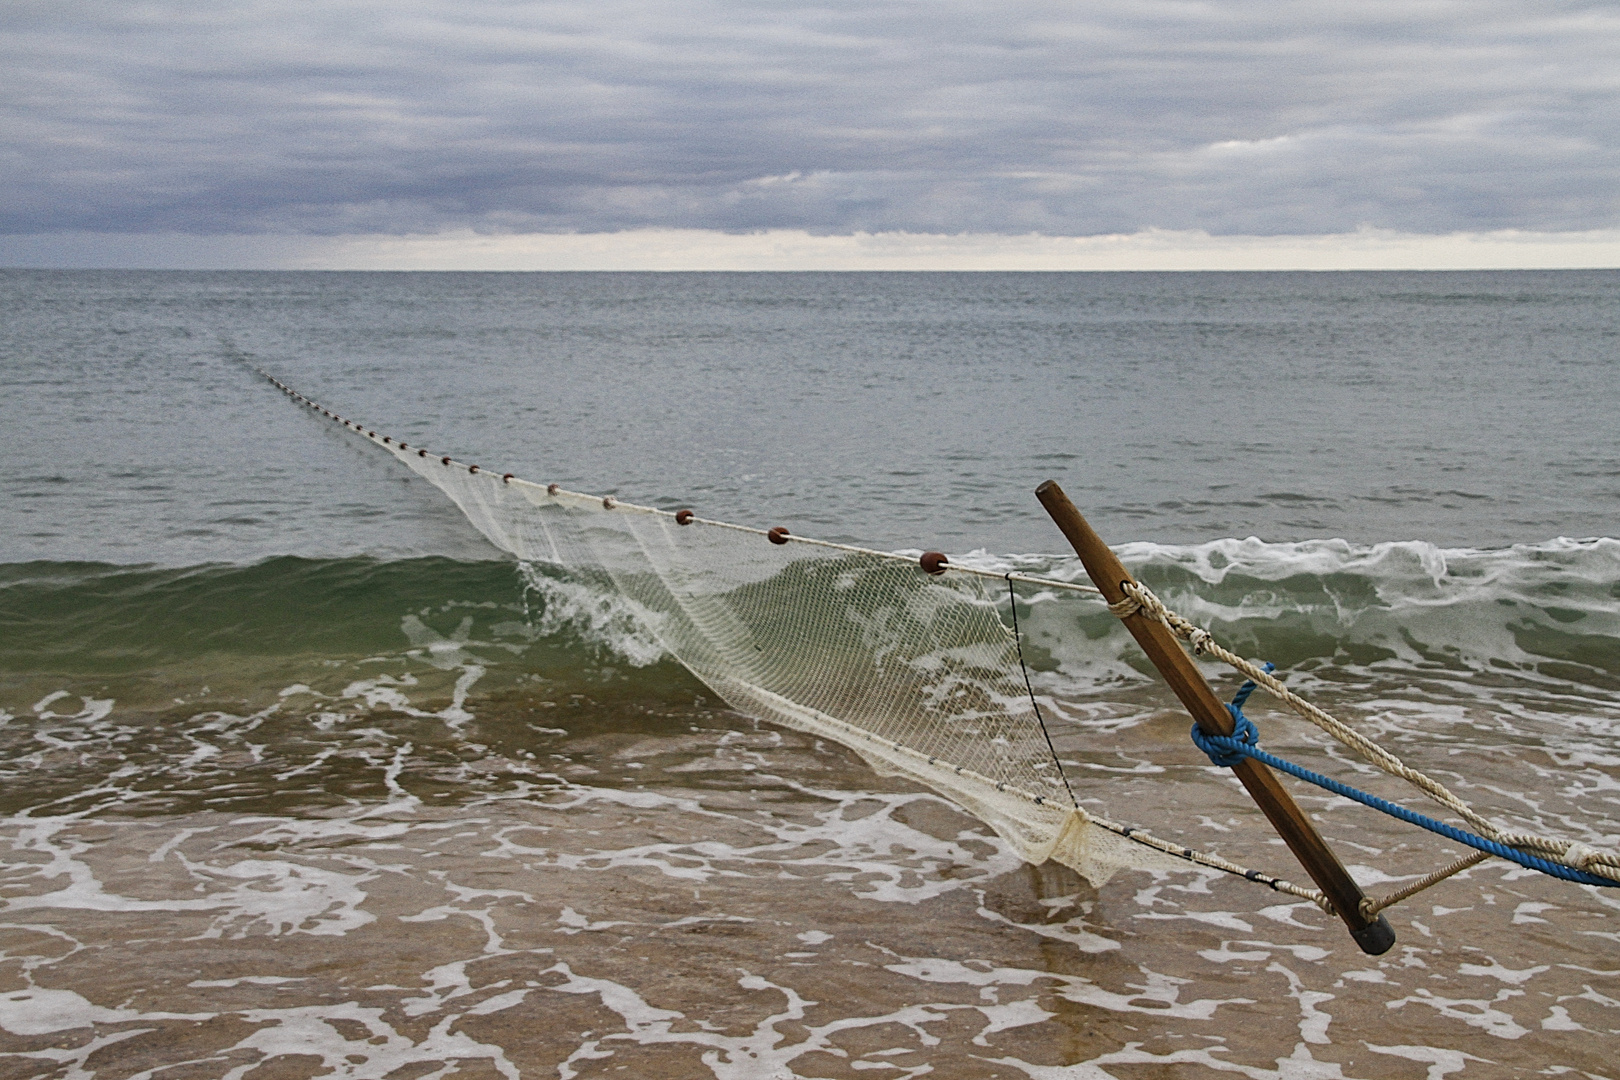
(301, 777)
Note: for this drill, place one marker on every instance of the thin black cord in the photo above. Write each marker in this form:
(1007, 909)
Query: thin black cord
(1018, 640)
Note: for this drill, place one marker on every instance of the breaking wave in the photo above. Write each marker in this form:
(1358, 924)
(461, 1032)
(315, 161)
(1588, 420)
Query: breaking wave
(1546, 613)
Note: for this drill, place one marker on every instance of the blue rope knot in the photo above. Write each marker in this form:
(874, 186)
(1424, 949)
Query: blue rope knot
(1227, 750)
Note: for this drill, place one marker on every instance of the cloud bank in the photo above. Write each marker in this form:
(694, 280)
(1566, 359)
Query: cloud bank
(345, 118)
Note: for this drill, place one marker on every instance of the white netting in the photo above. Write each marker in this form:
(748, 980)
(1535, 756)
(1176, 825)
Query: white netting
(916, 672)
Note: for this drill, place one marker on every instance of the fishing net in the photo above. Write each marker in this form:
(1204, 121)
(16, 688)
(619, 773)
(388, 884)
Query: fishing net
(916, 672)
(912, 668)
(905, 661)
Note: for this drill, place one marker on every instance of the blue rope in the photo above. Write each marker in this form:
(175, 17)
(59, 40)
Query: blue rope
(1227, 751)
(1243, 729)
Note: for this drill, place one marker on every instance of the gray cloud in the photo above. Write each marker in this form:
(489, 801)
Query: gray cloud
(1260, 117)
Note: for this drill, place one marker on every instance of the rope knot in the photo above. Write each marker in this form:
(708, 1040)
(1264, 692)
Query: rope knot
(1580, 855)
(1227, 750)
(1223, 750)
(1139, 597)
(1125, 607)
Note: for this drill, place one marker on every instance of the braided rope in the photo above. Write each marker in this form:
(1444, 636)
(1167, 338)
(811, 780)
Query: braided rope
(1371, 907)
(1215, 744)
(1570, 853)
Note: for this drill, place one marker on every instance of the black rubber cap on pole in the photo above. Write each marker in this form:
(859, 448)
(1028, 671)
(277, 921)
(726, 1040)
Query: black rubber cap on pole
(1376, 938)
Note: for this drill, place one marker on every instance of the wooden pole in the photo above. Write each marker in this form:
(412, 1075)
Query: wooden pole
(1178, 669)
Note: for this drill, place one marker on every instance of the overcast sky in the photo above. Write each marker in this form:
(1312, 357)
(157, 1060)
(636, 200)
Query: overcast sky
(358, 118)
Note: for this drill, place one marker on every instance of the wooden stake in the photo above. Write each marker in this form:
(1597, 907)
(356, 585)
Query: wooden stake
(1164, 649)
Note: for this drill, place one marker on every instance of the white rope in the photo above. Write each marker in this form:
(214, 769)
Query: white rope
(612, 503)
(1571, 853)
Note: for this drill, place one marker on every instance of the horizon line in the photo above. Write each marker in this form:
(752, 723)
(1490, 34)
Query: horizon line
(796, 250)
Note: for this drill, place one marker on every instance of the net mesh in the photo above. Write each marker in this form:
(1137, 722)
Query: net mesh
(915, 672)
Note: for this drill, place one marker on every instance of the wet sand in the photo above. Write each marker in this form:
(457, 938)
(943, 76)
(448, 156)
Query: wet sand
(674, 891)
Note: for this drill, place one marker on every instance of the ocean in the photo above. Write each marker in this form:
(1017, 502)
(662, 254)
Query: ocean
(302, 777)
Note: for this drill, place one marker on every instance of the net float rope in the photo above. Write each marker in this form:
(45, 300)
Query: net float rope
(777, 535)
